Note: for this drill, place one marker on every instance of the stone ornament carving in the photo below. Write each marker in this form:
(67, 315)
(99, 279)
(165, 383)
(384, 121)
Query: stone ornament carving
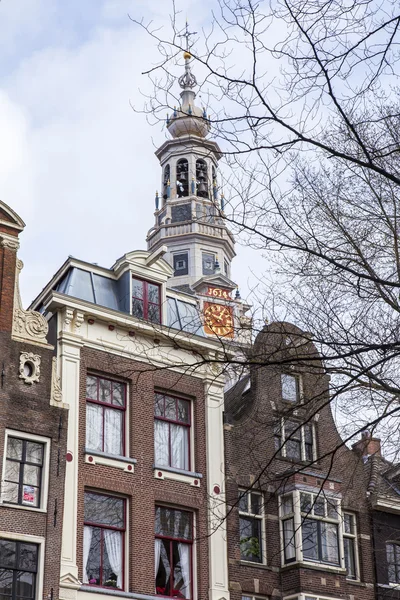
(8, 241)
(56, 391)
(29, 367)
(28, 325)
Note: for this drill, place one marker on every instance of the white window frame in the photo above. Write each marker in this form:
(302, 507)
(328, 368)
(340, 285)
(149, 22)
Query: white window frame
(298, 518)
(44, 484)
(352, 536)
(261, 518)
(252, 597)
(311, 596)
(31, 539)
(282, 450)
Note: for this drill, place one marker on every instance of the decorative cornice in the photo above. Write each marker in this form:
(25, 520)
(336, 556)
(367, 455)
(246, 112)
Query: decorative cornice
(28, 325)
(9, 241)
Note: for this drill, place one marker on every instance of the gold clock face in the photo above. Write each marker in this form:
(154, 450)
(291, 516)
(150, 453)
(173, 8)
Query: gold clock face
(218, 320)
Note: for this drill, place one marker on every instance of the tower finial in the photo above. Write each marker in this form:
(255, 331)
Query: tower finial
(187, 80)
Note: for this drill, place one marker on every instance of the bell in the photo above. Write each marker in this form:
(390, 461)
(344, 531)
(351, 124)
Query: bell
(183, 176)
(202, 187)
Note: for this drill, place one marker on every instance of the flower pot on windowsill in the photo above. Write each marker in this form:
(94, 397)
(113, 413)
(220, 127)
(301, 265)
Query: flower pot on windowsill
(110, 583)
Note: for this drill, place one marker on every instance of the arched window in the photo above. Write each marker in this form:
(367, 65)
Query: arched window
(166, 182)
(182, 178)
(214, 182)
(201, 178)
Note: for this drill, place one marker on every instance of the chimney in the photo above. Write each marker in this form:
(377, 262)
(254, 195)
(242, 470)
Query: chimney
(367, 446)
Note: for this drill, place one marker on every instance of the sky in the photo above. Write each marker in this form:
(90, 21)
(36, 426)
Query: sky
(77, 162)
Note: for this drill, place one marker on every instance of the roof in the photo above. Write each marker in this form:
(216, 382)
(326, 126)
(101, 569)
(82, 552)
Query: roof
(383, 483)
(238, 400)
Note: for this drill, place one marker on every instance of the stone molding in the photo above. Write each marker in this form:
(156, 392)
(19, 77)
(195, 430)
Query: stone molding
(56, 391)
(33, 361)
(28, 325)
(9, 241)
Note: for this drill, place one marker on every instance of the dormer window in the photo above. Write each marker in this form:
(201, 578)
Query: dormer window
(182, 178)
(146, 300)
(201, 178)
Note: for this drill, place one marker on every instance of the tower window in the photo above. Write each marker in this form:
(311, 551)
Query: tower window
(201, 178)
(208, 263)
(182, 178)
(181, 266)
(166, 180)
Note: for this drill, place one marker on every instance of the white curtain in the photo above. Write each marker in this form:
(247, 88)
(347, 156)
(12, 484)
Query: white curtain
(113, 541)
(87, 539)
(157, 552)
(94, 427)
(288, 534)
(329, 542)
(179, 447)
(113, 431)
(161, 442)
(184, 559)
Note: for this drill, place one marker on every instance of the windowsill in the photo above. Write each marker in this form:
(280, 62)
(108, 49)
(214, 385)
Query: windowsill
(117, 593)
(389, 586)
(181, 475)
(315, 566)
(21, 507)
(94, 457)
(249, 563)
(355, 582)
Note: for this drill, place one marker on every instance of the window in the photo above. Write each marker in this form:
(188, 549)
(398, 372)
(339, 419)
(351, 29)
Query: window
(208, 263)
(173, 552)
(201, 178)
(146, 303)
(23, 475)
(314, 519)
(181, 266)
(172, 432)
(393, 562)
(250, 526)
(182, 178)
(226, 267)
(290, 387)
(350, 545)
(18, 569)
(103, 540)
(105, 415)
(251, 598)
(293, 440)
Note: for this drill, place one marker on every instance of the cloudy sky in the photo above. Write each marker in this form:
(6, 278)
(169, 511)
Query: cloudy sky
(77, 163)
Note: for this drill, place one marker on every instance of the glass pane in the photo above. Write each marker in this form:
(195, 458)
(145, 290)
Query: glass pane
(137, 289)
(105, 390)
(244, 501)
(6, 579)
(113, 431)
(183, 411)
(319, 507)
(179, 446)
(170, 408)
(34, 453)
(349, 557)
(10, 492)
(310, 539)
(153, 292)
(30, 495)
(91, 387)
(305, 502)
(250, 539)
(289, 540)
(392, 573)
(93, 561)
(289, 387)
(287, 505)
(255, 504)
(293, 449)
(390, 553)
(331, 506)
(94, 426)
(25, 584)
(14, 448)
(163, 574)
(161, 443)
(181, 557)
(309, 452)
(112, 559)
(173, 523)
(28, 557)
(118, 390)
(348, 523)
(159, 405)
(137, 308)
(12, 471)
(32, 475)
(105, 510)
(7, 553)
(329, 543)
(307, 430)
(153, 313)
(292, 430)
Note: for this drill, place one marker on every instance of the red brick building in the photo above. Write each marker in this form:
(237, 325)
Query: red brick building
(33, 431)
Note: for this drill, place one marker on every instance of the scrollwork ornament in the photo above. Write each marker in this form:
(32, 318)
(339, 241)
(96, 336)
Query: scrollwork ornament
(56, 391)
(29, 367)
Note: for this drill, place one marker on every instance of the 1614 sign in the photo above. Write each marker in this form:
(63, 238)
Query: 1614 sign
(216, 292)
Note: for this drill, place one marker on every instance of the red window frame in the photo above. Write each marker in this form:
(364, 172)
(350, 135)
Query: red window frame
(112, 528)
(175, 422)
(108, 405)
(172, 539)
(145, 299)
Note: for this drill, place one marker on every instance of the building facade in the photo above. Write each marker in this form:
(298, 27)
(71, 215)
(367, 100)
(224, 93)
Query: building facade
(33, 431)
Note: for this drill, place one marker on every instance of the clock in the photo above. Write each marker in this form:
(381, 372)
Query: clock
(218, 320)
